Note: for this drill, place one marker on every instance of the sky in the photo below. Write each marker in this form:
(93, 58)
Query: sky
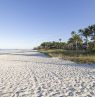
(25, 24)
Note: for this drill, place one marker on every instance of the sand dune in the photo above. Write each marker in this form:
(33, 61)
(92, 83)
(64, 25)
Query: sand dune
(25, 73)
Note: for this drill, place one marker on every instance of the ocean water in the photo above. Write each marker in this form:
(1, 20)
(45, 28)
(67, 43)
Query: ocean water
(22, 52)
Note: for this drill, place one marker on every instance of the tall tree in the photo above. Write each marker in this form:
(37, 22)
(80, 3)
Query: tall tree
(60, 39)
(92, 31)
(75, 39)
(86, 33)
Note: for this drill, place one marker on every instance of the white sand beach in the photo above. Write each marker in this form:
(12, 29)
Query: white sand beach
(26, 73)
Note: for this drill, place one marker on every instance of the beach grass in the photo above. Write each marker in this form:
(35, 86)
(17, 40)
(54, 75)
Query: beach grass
(79, 56)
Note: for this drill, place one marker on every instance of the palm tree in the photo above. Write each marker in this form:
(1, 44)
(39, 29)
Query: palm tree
(92, 31)
(73, 33)
(75, 39)
(60, 39)
(86, 33)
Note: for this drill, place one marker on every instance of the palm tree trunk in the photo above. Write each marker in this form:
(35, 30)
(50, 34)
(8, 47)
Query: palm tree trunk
(94, 39)
(77, 48)
(76, 45)
(87, 42)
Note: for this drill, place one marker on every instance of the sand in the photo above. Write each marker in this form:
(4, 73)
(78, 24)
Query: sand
(26, 73)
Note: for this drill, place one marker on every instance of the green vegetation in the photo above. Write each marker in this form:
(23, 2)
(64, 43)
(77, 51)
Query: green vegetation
(51, 45)
(80, 46)
(80, 56)
(53, 52)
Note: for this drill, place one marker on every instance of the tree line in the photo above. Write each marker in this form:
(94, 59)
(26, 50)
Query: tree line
(83, 39)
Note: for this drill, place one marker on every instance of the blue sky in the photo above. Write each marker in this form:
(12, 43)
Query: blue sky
(27, 23)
